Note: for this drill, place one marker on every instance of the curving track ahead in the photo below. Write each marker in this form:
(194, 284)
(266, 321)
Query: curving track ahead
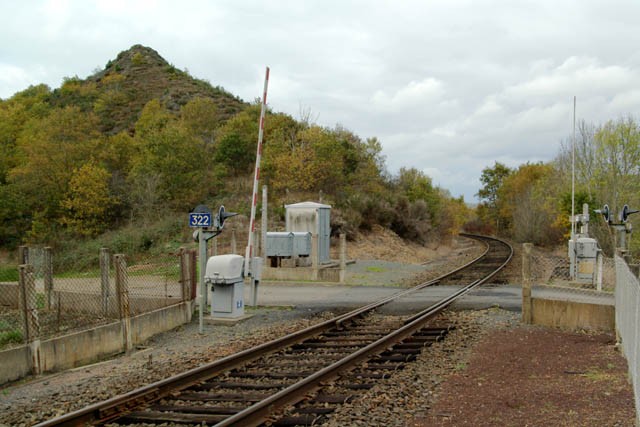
(300, 378)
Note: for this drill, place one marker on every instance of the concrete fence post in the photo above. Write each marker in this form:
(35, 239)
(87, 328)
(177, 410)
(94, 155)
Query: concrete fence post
(314, 257)
(28, 302)
(29, 310)
(193, 273)
(48, 278)
(526, 283)
(23, 255)
(105, 262)
(122, 293)
(343, 257)
(185, 287)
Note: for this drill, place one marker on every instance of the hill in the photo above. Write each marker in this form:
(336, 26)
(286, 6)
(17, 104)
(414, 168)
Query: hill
(118, 93)
(118, 157)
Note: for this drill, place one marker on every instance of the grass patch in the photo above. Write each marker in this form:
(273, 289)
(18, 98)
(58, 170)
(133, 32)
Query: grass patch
(77, 274)
(9, 334)
(597, 375)
(374, 269)
(8, 273)
(40, 301)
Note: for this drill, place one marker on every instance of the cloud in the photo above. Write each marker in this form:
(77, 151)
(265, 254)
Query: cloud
(582, 75)
(414, 94)
(11, 75)
(18, 77)
(448, 87)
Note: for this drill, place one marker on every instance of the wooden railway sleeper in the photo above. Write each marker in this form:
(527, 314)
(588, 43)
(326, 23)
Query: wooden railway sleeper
(236, 385)
(164, 417)
(301, 420)
(124, 406)
(220, 397)
(189, 409)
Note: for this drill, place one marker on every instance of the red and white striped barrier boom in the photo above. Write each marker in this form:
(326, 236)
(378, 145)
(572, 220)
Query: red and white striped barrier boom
(256, 177)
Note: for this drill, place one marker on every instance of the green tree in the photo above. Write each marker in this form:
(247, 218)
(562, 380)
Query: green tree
(528, 202)
(607, 169)
(166, 163)
(237, 141)
(111, 100)
(49, 150)
(31, 103)
(618, 162)
(415, 185)
(491, 179)
(200, 116)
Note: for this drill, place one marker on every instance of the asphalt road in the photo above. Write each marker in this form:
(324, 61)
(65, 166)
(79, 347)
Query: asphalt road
(314, 296)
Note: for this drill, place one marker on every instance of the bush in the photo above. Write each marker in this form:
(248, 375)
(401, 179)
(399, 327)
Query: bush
(165, 235)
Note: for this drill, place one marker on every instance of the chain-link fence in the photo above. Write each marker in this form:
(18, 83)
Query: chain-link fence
(154, 283)
(628, 322)
(12, 326)
(550, 270)
(38, 302)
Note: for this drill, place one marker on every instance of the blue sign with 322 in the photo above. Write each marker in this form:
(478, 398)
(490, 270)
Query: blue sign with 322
(199, 219)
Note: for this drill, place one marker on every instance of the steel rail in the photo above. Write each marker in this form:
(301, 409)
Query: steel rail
(259, 412)
(112, 408)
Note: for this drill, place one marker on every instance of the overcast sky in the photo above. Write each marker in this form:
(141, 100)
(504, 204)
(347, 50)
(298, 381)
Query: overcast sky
(448, 86)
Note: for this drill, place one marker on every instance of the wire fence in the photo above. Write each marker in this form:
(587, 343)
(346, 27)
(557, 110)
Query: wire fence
(37, 302)
(628, 322)
(549, 270)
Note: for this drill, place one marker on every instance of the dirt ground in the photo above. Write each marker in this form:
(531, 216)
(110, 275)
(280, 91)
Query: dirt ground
(384, 244)
(530, 376)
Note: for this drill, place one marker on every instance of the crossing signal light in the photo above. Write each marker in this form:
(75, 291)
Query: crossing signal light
(625, 212)
(222, 216)
(606, 214)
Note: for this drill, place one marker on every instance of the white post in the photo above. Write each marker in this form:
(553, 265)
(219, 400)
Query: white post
(314, 256)
(599, 274)
(256, 269)
(234, 249)
(264, 224)
(343, 257)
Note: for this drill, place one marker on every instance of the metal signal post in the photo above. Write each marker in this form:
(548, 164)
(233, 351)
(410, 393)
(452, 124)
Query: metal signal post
(207, 227)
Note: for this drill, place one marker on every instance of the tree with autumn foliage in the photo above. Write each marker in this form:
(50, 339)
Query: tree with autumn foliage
(88, 204)
(529, 202)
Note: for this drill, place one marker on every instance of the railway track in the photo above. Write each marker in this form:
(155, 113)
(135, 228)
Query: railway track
(298, 379)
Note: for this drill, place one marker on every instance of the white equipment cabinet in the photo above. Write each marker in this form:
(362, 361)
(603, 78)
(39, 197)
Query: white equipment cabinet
(314, 218)
(225, 285)
(586, 255)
